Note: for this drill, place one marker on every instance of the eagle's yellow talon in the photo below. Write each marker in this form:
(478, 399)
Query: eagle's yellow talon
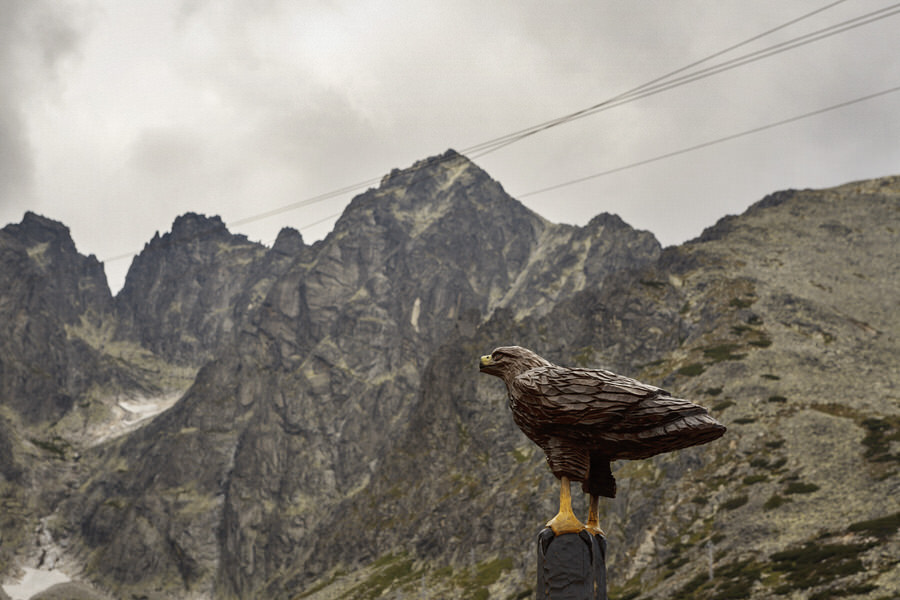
(565, 520)
(593, 523)
(561, 524)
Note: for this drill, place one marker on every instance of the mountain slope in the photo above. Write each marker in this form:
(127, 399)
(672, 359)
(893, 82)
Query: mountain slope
(762, 319)
(219, 492)
(338, 440)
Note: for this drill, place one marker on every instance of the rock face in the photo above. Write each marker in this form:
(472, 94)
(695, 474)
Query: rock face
(327, 372)
(47, 291)
(180, 292)
(338, 441)
(46, 287)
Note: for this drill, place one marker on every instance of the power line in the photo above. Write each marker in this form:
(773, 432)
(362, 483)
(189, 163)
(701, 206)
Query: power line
(651, 87)
(644, 86)
(660, 84)
(688, 149)
(302, 203)
(639, 163)
(720, 140)
(655, 86)
(647, 161)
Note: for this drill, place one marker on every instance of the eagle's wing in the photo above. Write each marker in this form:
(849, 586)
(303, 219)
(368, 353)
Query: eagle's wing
(587, 397)
(629, 418)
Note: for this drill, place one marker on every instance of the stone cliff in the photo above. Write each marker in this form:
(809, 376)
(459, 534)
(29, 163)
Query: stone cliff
(47, 287)
(338, 441)
(322, 378)
(185, 291)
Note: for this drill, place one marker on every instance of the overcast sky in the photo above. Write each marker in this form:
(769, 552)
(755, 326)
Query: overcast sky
(117, 116)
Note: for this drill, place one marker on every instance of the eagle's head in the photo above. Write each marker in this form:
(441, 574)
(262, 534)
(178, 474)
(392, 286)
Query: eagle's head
(507, 362)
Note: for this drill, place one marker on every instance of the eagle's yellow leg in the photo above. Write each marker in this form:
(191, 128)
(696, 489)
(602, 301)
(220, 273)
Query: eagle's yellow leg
(565, 520)
(593, 522)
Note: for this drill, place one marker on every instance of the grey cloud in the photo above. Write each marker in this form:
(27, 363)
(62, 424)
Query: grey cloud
(35, 36)
(166, 153)
(15, 157)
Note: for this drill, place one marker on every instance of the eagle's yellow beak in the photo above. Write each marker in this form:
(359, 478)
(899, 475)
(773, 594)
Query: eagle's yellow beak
(485, 361)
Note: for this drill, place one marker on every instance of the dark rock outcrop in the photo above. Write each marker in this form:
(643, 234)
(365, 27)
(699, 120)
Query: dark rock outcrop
(46, 289)
(179, 297)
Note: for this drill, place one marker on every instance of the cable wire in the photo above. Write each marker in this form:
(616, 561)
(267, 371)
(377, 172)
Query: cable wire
(652, 87)
(720, 140)
(644, 86)
(660, 85)
(655, 86)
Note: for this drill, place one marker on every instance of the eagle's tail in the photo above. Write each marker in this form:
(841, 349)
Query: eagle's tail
(680, 422)
(663, 424)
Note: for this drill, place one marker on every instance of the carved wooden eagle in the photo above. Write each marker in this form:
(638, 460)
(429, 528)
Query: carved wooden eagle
(585, 418)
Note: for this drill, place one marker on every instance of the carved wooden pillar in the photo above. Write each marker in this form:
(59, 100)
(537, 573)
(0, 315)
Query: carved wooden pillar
(571, 566)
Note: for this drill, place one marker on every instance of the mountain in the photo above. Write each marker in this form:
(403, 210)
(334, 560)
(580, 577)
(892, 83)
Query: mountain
(332, 436)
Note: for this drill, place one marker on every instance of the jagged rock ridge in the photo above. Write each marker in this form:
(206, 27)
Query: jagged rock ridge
(344, 332)
(341, 442)
(180, 294)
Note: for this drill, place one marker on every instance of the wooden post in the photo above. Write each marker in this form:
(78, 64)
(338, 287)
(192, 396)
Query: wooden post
(571, 566)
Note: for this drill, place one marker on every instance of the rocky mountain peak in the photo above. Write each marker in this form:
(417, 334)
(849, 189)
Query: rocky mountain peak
(607, 220)
(36, 229)
(191, 223)
(289, 242)
(179, 292)
(46, 288)
(51, 269)
(420, 196)
(345, 327)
